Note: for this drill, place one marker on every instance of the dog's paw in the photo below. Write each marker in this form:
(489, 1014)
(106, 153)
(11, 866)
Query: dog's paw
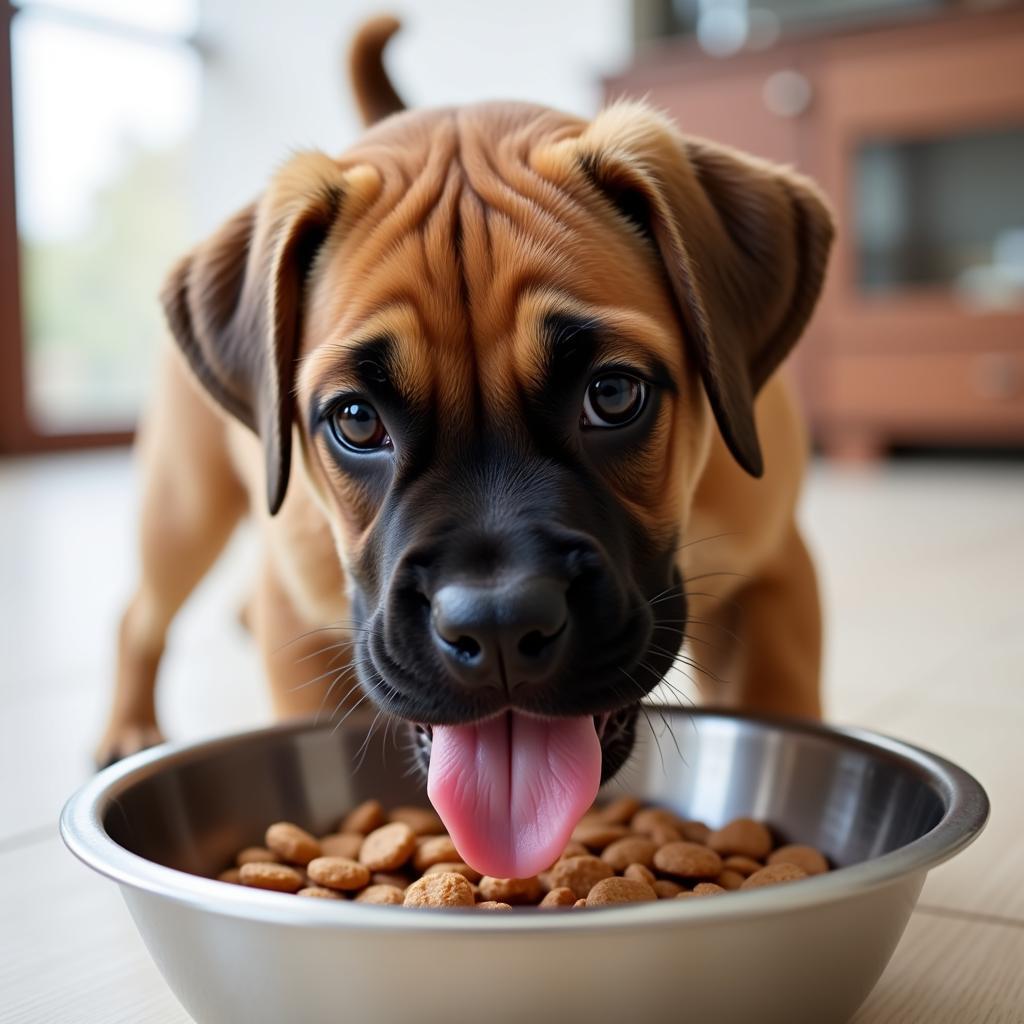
(126, 738)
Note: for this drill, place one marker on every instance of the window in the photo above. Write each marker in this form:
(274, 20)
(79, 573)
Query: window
(104, 97)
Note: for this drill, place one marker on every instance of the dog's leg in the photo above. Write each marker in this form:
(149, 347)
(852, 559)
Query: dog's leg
(191, 502)
(308, 664)
(780, 635)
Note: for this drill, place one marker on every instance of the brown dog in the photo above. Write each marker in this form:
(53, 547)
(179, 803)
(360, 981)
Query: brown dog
(525, 364)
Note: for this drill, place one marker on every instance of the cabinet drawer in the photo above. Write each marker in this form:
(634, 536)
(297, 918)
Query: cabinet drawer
(948, 396)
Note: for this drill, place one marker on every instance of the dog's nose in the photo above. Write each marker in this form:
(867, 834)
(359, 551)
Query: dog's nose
(511, 630)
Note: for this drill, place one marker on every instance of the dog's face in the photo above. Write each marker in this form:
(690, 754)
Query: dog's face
(499, 416)
(503, 337)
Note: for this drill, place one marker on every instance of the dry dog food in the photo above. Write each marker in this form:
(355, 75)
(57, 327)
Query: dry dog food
(619, 853)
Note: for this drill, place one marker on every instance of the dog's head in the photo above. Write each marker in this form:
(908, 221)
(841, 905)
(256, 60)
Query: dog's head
(501, 338)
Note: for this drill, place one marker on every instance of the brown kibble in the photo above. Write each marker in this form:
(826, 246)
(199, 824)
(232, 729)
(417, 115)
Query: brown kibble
(742, 836)
(292, 843)
(257, 855)
(744, 865)
(688, 860)
(773, 875)
(364, 818)
(390, 878)
(661, 835)
(619, 890)
(382, 895)
(434, 850)
(276, 877)
(694, 832)
(439, 890)
(622, 852)
(318, 892)
(563, 896)
(596, 835)
(653, 818)
(458, 867)
(422, 820)
(338, 873)
(388, 847)
(573, 849)
(619, 811)
(631, 850)
(666, 890)
(516, 891)
(708, 889)
(580, 874)
(806, 857)
(640, 873)
(341, 844)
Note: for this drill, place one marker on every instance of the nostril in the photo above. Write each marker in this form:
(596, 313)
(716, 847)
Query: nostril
(466, 648)
(535, 643)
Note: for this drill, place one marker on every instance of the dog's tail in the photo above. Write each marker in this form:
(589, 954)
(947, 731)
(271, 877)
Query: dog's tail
(375, 95)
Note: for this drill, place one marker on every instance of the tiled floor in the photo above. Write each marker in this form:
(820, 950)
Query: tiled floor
(921, 566)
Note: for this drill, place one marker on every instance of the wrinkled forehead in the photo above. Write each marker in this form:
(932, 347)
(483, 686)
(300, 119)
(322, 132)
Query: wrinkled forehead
(472, 271)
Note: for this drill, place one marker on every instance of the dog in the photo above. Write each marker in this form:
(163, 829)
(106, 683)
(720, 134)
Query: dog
(500, 385)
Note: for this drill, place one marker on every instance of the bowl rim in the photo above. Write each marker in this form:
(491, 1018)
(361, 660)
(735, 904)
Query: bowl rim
(81, 828)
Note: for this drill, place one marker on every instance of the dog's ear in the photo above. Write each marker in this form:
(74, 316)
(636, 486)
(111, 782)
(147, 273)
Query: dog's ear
(234, 304)
(744, 244)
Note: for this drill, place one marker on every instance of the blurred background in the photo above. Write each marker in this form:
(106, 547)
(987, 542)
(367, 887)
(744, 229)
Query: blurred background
(137, 127)
(130, 129)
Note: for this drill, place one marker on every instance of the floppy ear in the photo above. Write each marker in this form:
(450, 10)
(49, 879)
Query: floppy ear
(234, 304)
(744, 244)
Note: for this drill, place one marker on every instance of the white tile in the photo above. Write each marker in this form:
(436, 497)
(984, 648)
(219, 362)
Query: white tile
(69, 950)
(948, 970)
(68, 525)
(972, 713)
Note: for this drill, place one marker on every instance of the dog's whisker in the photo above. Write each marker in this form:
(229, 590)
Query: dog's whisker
(341, 721)
(323, 675)
(341, 644)
(688, 637)
(714, 625)
(698, 667)
(709, 575)
(669, 589)
(650, 724)
(364, 748)
(679, 658)
(340, 625)
(705, 540)
(339, 676)
(356, 684)
(728, 601)
(663, 680)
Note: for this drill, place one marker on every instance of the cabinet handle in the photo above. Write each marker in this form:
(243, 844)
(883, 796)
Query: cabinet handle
(787, 93)
(996, 376)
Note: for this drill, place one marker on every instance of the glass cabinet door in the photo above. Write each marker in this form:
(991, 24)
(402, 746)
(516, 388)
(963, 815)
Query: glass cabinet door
(942, 213)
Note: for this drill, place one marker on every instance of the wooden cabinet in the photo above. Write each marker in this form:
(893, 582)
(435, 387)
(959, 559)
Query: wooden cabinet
(916, 133)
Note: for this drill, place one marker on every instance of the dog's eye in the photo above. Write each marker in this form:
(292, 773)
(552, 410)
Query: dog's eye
(613, 400)
(356, 425)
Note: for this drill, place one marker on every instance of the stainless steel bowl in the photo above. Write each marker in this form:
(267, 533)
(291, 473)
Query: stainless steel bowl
(885, 812)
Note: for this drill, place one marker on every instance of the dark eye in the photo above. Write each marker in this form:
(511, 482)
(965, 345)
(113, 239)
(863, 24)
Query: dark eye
(613, 400)
(356, 425)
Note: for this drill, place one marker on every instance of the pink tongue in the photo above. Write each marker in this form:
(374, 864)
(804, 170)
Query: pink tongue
(511, 790)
